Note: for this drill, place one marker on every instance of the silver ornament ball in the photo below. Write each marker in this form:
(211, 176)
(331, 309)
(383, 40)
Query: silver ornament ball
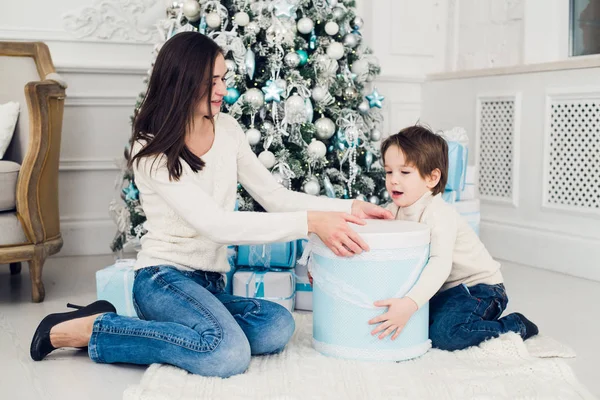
(281, 83)
(350, 92)
(385, 196)
(364, 107)
(325, 128)
(332, 28)
(268, 126)
(267, 159)
(312, 187)
(241, 18)
(231, 65)
(254, 97)
(253, 136)
(375, 135)
(292, 60)
(213, 20)
(191, 10)
(305, 25)
(351, 40)
(295, 104)
(317, 149)
(357, 22)
(319, 93)
(281, 179)
(252, 28)
(335, 50)
(374, 200)
(360, 66)
(361, 197)
(338, 13)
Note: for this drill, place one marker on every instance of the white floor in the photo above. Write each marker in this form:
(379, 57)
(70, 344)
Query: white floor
(564, 307)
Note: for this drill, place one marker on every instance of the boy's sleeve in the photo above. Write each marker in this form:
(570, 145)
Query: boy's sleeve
(443, 227)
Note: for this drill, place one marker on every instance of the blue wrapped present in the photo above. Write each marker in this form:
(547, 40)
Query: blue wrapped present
(449, 196)
(457, 166)
(304, 290)
(301, 245)
(231, 257)
(115, 284)
(277, 286)
(278, 255)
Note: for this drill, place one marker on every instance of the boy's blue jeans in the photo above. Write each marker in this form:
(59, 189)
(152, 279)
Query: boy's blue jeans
(188, 321)
(461, 317)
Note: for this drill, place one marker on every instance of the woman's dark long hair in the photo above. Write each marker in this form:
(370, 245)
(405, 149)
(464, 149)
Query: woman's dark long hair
(181, 77)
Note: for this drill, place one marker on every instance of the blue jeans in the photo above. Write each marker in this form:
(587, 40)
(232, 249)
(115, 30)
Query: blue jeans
(187, 320)
(466, 316)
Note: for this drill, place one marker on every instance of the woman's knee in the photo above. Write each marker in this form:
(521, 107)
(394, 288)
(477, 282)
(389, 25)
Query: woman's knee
(278, 328)
(230, 357)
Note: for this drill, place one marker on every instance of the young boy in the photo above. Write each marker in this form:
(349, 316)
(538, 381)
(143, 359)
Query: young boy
(461, 281)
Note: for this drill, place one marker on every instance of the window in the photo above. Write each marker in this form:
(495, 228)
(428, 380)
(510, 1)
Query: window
(585, 27)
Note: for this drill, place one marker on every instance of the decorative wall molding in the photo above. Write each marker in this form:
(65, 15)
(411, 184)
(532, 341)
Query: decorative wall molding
(88, 165)
(55, 35)
(556, 251)
(86, 236)
(112, 69)
(571, 178)
(497, 146)
(401, 78)
(100, 100)
(582, 62)
(113, 20)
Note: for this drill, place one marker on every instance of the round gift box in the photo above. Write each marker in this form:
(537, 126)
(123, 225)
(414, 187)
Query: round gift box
(345, 289)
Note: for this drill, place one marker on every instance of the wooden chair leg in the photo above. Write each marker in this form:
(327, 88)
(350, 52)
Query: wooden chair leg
(15, 268)
(36, 264)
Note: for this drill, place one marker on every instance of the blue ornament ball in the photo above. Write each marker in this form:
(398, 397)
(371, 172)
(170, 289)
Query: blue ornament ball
(303, 56)
(232, 95)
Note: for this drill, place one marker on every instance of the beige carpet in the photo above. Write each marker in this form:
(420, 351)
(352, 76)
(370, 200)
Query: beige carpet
(503, 368)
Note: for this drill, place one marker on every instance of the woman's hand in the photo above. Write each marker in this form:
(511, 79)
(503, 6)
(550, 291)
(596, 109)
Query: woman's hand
(363, 209)
(334, 231)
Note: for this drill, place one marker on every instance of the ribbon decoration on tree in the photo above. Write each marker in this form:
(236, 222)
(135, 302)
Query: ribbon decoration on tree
(219, 8)
(229, 41)
(350, 125)
(285, 171)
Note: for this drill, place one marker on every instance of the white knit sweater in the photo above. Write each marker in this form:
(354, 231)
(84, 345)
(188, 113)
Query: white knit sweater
(456, 254)
(190, 222)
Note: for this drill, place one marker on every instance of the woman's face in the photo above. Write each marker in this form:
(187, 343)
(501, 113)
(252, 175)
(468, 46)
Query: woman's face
(219, 90)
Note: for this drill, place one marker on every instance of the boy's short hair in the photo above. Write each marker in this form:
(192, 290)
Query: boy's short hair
(422, 149)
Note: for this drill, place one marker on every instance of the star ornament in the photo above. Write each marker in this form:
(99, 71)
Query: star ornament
(375, 99)
(282, 8)
(272, 92)
(131, 193)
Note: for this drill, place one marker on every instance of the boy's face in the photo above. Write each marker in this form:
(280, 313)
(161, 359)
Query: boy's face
(403, 182)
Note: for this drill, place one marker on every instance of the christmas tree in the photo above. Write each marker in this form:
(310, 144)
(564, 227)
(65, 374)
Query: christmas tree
(297, 81)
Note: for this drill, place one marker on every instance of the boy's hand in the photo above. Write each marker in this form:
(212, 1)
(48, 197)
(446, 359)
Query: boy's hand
(310, 279)
(398, 313)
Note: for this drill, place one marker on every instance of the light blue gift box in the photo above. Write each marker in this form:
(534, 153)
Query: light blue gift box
(278, 255)
(115, 284)
(273, 285)
(469, 210)
(231, 257)
(301, 245)
(346, 288)
(449, 196)
(457, 167)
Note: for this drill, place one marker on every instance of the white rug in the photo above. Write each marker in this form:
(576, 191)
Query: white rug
(503, 368)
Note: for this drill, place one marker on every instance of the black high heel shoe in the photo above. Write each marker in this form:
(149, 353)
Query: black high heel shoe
(41, 345)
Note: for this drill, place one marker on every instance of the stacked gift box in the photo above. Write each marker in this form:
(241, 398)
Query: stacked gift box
(461, 188)
(266, 271)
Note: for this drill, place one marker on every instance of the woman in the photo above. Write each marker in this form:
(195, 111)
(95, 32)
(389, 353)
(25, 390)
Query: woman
(187, 160)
